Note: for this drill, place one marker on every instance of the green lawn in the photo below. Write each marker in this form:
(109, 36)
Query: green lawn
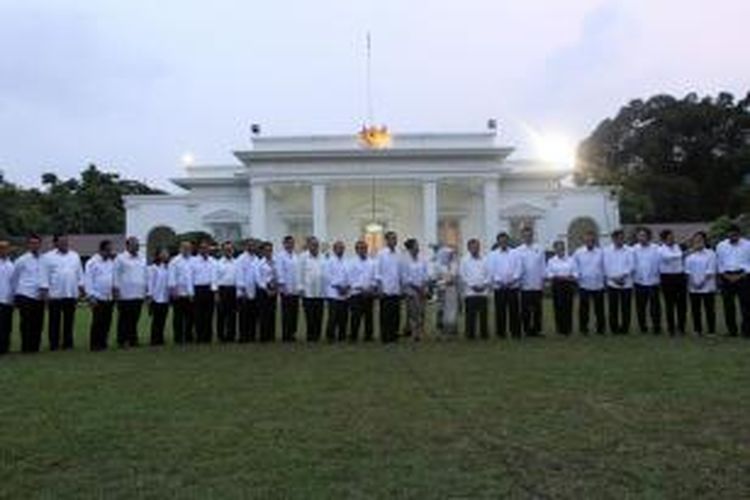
(628, 417)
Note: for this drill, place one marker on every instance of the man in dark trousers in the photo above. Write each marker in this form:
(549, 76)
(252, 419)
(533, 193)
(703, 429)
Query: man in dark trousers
(475, 281)
(98, 283)
(337, 294)
(504, 268)
(247, 264)
(61, 285)
(361, 276)
(267, 292)
(130, 288)
(181, 293)
(287, 265)
(389, 277)
(26, 283)
(531, 256)
(6, 296)
(226, 279)
(205, 287)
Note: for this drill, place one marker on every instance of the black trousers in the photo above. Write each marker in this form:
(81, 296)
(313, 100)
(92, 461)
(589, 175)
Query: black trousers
(475, 312)
(313, 309)
(158, 321)
(390, 317)
(128, 316)
(267, 315)
(585, 300)
(338, 318)
(182, 320)
(360, 309)
(674, 290)
(563, 295)
(289, 317)
(703, 303)
(507, 315)
(620, 303)
(226, 314)
(531, 312)
(31, 312)
(203, 314)
(248, 319)
(731, 294)
(101, 322)
(61, 315)
(647, 298)
(6, 326)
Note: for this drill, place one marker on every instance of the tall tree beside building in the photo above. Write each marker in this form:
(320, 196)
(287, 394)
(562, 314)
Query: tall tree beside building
(676, 159)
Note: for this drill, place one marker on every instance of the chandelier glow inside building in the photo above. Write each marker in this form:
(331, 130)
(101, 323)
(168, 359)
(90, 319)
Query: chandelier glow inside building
(374, 137)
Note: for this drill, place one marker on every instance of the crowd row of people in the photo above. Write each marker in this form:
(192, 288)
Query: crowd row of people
(237, 296)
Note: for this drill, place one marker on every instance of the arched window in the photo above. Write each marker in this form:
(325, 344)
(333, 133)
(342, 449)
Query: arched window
(159, 237)
(577, 229)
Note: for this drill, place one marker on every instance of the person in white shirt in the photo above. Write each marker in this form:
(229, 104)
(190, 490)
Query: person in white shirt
(416, 280)
(287, 264)
(475, 283)
(203, 268)
(619, 266)
(311, 285)
(246, 290)
(157, 293)
(700, 267)
(6, 296)
(589, 261)
(563, 275)
(646, 259)
(226, 280)
(733, 262)
(447, 282)
(130, 286)
(361, 277)
(98, 279)
(532, 260)
(337, 294)
(673, 283)
(504, 268)
(181, 293)
(267, 290)
(61, 285)
(389, 278)
(26, 281)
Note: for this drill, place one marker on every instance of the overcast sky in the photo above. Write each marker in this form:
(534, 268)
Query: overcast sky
(133, 85)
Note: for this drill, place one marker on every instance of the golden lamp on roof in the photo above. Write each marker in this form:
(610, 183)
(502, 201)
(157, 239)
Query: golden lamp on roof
(374, 137)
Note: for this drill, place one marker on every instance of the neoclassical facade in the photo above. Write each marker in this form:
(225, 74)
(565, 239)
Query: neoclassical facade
(440, 188)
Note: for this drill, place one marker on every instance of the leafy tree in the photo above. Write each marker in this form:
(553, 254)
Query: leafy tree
(676, 159)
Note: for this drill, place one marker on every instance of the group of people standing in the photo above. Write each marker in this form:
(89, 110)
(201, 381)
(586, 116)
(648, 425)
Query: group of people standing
(237, 296)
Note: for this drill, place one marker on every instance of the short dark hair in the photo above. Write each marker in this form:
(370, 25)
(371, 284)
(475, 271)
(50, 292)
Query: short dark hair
(56, 237)
(666, 233)
(410, 243)
(104, 244)
(288, 237)
(388, 234)
(472, 241)
(734, 228)
(643, 229)
(502, 234)
(702, 234)
(618, 233)
(33, 236)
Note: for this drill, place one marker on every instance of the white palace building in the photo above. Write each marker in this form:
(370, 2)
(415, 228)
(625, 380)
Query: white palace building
(442, 188)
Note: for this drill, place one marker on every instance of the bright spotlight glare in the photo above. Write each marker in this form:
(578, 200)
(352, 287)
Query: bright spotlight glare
(188, 159)
(556, 148)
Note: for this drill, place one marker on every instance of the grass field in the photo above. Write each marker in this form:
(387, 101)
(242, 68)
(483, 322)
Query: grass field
(631, 417)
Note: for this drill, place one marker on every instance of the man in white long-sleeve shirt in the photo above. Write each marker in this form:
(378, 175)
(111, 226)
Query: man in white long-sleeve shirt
(589, 262)
(181, 293)
(361, 275)
(246, 288)
(733, 262)
(130, 287)
(475, 282)
(226, 280)
(267, 292)
(61, 285)
(287, 263)
(646, 280)
(203, 268)
(6, 296)
(673, 283)
(312, 288)
(619, 266)
(337, 293)
(26, 281)
(533, 266)
(389, 278)
(98, 284)
(504, 268)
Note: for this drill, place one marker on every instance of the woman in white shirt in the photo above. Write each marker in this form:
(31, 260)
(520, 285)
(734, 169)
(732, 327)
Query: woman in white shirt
(700, 267)
(416, 279)
(158, 295)
(562, 274)
(446, 274)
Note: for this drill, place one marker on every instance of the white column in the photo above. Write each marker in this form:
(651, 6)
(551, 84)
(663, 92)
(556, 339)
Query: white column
(258, 211)
(491, 206)
(429, 213)
(320, 226)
